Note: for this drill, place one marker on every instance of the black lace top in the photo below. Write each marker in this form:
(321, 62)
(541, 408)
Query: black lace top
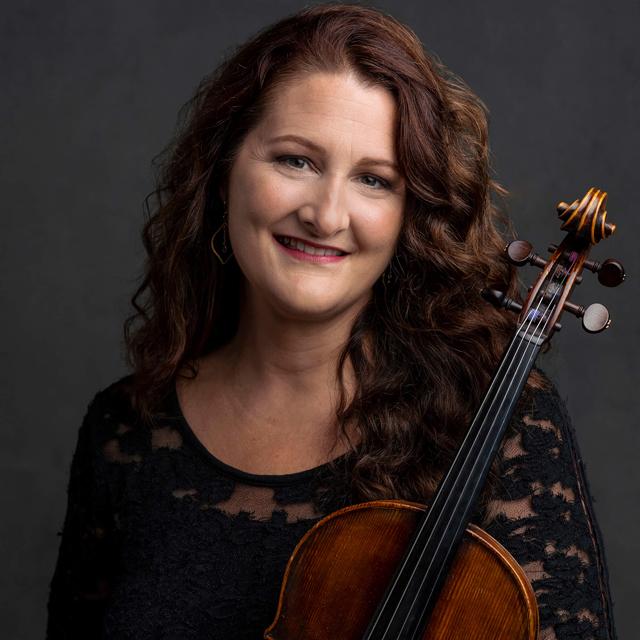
(162, 540)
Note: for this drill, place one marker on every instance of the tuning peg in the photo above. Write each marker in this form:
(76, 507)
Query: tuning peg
(551, 248)
(520, 252)
(610, 272)
(595, 317)
(500, 300)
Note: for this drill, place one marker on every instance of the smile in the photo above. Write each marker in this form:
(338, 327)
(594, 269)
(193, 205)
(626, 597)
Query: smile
(304, 251)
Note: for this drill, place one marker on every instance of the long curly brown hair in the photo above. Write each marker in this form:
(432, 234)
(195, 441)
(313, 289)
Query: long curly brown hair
(424, 348)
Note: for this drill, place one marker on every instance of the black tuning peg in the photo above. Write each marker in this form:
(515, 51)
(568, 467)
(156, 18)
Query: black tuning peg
(610, 272)
(500, 300)
(595, 317)
(520, 252)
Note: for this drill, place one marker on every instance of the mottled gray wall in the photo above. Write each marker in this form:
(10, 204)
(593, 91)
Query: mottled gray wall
(90, 91)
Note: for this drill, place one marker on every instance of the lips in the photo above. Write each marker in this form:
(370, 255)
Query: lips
(301, 251)
(308, 247)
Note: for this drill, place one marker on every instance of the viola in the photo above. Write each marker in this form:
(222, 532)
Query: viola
(395, 570)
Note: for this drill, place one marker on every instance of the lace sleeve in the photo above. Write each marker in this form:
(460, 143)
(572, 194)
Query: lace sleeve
(80, 583)
(542, 513)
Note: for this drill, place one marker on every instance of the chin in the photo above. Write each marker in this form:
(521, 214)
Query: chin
(309, 309)
(319, 306)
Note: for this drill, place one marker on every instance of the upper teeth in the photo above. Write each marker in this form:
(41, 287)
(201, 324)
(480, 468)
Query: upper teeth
(314, 251)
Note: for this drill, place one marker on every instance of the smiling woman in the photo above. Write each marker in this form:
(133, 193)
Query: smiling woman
(309, 335)
(306, 173)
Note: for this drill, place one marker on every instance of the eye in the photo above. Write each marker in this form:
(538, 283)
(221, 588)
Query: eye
(375, 182)
(294, 162)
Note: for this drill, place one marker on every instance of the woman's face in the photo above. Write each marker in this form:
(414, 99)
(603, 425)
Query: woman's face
(314, 198)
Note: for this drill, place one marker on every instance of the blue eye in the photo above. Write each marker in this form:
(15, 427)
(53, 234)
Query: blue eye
(295, 162)
(300, 163)
(375, 182)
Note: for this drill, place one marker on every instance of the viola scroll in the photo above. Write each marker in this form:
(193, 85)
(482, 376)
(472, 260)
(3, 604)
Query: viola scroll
(585, 222)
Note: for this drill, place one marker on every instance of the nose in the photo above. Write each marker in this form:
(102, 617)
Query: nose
(325, 212)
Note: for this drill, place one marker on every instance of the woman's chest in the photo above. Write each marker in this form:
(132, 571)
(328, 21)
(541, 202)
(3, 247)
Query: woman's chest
(200, 557)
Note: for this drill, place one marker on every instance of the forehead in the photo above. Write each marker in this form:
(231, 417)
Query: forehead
(331, 108)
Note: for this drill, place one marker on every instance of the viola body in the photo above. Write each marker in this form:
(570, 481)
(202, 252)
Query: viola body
(340, 569)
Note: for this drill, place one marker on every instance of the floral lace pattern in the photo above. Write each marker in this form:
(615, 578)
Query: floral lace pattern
(542, 514)
(162, 540)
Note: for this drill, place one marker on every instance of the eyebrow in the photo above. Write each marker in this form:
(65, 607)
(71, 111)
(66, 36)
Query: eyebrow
(305, 142)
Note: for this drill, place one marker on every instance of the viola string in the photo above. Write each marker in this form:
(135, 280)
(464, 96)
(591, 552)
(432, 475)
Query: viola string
(486, 400)
(527, 345)
(531, 316)
(406, 557)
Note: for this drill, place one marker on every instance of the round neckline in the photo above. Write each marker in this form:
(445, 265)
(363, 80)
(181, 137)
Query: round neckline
(245, 476)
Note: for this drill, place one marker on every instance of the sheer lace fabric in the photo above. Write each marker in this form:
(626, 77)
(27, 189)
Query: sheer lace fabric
(162, 540)
(542, 513)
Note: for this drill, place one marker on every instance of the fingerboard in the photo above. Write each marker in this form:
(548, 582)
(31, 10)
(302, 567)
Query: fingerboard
(404, 610)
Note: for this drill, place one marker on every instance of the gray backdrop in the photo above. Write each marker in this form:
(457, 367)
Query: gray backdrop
(90, 94)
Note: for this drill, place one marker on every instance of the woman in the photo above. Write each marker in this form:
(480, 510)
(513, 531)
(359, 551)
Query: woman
(309, 335)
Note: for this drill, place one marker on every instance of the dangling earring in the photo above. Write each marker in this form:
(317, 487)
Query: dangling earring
(219, 242)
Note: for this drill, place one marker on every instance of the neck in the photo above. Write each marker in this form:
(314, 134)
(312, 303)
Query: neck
(413, 591)
(296, 356)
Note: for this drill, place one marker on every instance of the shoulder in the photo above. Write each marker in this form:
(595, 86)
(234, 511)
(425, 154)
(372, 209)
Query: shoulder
(115, 432)
(543, 401)
(541, 416)
(540, 448)
(114, 402)
(109, 414)
(539, 467)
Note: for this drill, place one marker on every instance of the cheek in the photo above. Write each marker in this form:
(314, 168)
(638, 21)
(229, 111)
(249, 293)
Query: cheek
(379, 229)
(263, 200)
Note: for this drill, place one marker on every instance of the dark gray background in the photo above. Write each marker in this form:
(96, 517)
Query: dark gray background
(90, 93)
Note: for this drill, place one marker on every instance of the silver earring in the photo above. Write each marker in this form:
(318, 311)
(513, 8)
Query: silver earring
(219, 242)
